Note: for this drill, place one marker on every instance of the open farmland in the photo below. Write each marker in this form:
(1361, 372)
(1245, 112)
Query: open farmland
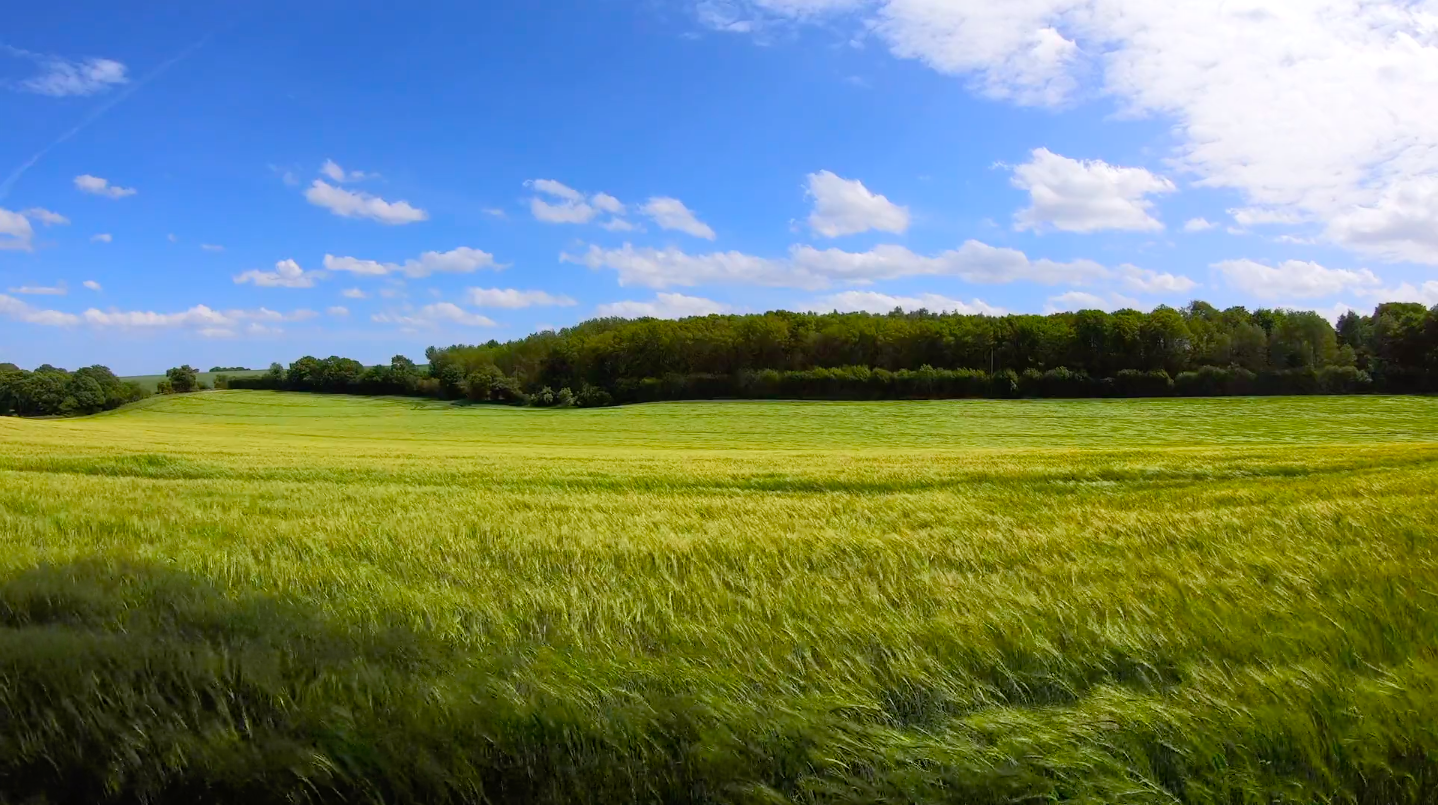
(252, 596)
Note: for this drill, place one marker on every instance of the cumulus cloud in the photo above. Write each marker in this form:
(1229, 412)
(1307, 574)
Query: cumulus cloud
(358, 204)
(671, 214)
(1294, 279)
(338, 310)
(662, 306)
(462, 260)
(1198, 225)
(1146, 281)
(847, 207)
(103, 237)
(60, 77)
(17, 310)
(58, 289)
(16, 233)
(811, 268)
(287, 274)
(1235, 80)
(874, 302)
(1424, 294)
(96, 186)
(353, 293)
(199, 318)
(92, 285)
(435, 315)
(1086, 196)
(568, 205)
(1082, 300)
(514, 299)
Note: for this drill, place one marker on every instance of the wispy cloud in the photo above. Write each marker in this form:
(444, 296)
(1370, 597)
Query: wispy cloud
(57, 289)
(59, 77)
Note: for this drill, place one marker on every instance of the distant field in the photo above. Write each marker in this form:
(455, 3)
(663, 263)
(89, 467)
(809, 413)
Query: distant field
(208, 378)
(253, 596)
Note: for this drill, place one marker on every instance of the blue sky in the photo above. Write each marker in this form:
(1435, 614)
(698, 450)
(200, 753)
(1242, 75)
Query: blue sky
(236, 183)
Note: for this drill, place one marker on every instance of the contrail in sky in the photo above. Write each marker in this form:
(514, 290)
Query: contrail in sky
(99, 112)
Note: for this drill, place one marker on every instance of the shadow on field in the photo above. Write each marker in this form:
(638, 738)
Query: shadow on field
(137, 683)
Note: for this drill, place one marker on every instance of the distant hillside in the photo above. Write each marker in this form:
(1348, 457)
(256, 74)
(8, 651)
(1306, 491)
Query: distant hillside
(208, 378)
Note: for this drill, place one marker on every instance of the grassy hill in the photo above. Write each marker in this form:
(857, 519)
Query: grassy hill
(251, 596)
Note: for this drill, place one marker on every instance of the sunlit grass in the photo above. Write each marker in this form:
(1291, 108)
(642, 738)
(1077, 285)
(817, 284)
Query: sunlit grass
(243, 595)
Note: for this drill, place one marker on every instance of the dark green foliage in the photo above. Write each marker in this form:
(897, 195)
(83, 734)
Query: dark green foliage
(215, 369)
(181, 380)
(49, 391)
(1197, 351)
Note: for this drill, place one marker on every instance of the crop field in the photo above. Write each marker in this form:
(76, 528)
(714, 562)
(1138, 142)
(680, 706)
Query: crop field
(262, 597)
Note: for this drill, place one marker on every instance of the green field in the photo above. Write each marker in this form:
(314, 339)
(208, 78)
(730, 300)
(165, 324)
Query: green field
(263, 597)
(151, 382)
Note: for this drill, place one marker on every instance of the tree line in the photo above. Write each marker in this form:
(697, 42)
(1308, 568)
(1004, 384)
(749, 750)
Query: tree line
(1198, 350)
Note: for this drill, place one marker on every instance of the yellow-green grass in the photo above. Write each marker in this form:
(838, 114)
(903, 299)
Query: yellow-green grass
(248, 596)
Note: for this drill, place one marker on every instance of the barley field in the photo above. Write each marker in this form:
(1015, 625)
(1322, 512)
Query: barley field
(260, 597)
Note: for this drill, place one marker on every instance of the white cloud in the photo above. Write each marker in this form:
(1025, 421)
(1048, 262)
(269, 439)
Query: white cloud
(495, 212)
(217, 332)
(353, 293)
(1080, 300)
(1146, 281)
(570, 207)
(41, 290)
(94, 185)
(197, 316)
(45, 217)
(462, 260)
(1401, 225)
(1247, 217)
(92, 285)
(808, 267)
(670, 213)
(1294, 279)
(618, 225)
(1198, 225)
(338, 174)
(1086, 196)
(204, 320)
(60, 77)
(1236, 81)
(874, 302)
(663, 306)
(513, 299)
(16, 233)
(847, 207)
(210, 247)
(559, 190)
(12, 308)
(565, 212)
(338, 310)
(434, 315)
(1426, 294)
(103, 237)
(358, 204)
(607, 203)
(287, 274)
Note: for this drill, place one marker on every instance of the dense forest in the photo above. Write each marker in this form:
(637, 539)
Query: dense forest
(1197, 351)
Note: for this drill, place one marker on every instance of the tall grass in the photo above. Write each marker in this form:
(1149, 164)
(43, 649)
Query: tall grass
(259, 597)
